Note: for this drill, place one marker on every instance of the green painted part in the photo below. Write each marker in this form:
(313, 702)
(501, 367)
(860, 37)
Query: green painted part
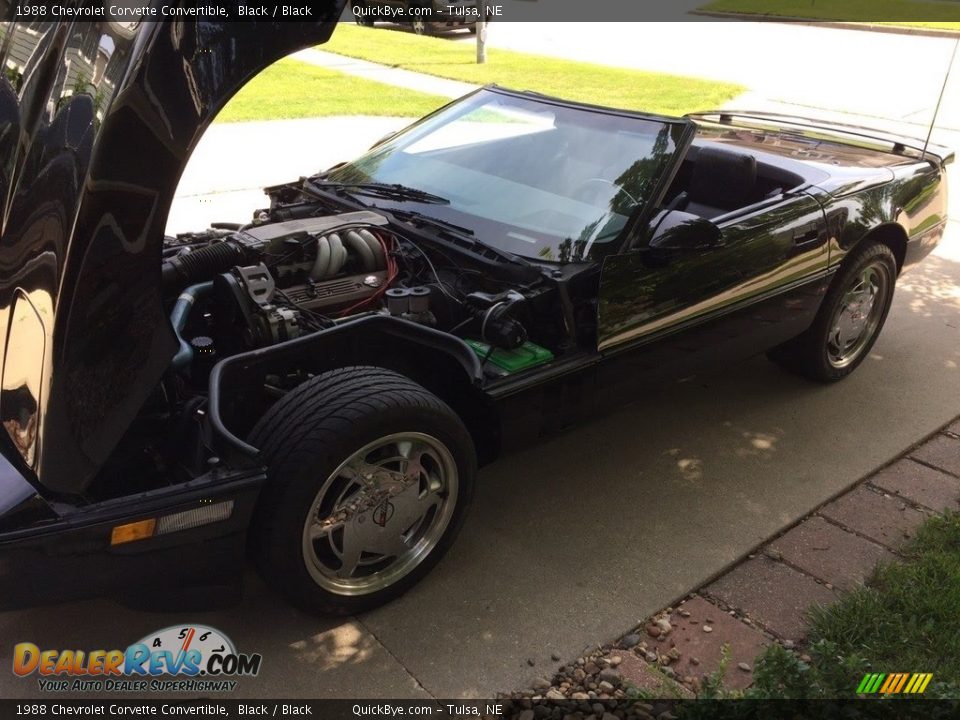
(862, 687)
(876, 684)
(526, 356)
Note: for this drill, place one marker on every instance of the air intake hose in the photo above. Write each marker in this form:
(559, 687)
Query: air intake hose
(199, 265)
(178, 318)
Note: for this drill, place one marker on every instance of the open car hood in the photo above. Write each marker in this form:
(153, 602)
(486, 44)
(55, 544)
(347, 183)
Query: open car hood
(89, 163)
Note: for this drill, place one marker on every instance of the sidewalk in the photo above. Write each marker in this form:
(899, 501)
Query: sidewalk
(764, 598)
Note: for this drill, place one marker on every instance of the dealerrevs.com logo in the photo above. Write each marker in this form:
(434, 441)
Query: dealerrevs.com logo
(182, 658)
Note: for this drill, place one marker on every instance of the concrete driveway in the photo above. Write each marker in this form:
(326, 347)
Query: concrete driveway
(571, 542)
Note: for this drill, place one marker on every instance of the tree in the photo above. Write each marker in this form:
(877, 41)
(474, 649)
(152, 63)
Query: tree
(481, 32)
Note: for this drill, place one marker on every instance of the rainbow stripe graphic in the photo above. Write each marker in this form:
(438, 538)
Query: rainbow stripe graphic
(894, 683)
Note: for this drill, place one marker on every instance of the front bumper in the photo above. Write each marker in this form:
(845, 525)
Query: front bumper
(71, 557)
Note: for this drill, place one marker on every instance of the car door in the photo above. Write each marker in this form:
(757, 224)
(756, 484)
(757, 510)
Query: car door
(671, 311)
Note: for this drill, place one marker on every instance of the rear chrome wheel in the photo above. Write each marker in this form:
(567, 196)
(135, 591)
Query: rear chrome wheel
(858, 317)
(849, 319)
(380, 513)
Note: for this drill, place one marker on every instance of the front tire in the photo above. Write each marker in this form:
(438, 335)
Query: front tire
(849, 320)
(369, 481)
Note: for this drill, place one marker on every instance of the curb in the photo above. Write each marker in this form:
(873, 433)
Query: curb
(834, 24)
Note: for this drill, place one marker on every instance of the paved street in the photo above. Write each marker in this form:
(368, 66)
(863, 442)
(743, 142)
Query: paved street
(572, 542)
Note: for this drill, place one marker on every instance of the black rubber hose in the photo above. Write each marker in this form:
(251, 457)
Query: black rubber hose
(200, 265)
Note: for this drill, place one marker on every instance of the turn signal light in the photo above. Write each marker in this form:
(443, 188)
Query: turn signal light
(176, 522)
(133, 531)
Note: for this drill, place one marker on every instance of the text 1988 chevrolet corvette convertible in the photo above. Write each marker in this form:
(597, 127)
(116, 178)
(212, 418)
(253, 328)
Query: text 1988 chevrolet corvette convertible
(316, 388)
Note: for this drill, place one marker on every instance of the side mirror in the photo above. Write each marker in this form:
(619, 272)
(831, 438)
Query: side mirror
(675, 230)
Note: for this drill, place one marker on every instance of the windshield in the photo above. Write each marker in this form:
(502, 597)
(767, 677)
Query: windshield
(531, 177)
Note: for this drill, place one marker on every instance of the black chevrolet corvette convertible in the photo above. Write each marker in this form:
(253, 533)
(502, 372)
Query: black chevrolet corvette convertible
(315, 388)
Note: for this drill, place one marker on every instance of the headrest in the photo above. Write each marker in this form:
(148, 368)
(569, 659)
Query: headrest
(723, 178)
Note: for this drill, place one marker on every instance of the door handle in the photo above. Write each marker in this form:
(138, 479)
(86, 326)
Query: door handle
(806, 235)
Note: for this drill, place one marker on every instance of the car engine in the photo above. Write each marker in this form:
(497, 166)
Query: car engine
(238, 288)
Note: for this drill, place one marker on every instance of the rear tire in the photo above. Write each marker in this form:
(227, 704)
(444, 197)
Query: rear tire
(369, 481)
(849, 320)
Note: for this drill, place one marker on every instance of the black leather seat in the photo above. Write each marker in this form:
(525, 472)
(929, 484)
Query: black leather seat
(722, 180)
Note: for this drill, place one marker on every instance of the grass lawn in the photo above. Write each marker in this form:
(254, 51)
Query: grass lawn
(585, 82)
(907, 619)
(294, 89)
(937, 15)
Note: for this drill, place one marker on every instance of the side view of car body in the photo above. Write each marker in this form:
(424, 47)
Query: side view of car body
(316, 388)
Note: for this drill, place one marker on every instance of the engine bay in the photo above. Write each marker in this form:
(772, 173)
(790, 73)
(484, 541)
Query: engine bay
(299, 268)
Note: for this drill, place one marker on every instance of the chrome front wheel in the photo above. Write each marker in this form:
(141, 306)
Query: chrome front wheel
(369, 479)
(380, 513)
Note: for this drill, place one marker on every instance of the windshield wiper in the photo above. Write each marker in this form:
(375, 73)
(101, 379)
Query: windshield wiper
(388, 191)
(434, 222)
(464, 233)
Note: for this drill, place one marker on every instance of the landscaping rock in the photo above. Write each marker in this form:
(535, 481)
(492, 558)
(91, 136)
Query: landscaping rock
(609, 675)
(692, 653)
